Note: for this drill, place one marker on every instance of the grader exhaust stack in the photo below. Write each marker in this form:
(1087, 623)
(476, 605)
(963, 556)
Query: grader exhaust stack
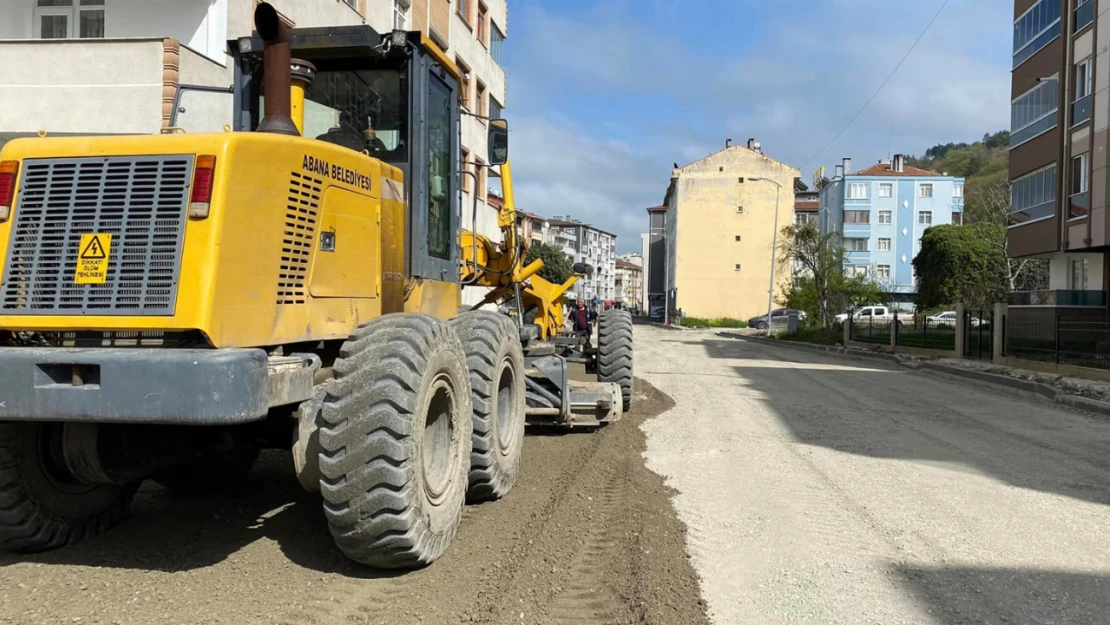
(277, 80)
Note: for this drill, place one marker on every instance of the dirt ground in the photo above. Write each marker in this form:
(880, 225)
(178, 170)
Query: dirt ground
(588, 535)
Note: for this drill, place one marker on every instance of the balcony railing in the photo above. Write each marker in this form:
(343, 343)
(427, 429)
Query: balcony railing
(1079, 205)
(1081, 110)
(1057, 298)
(1084, 14)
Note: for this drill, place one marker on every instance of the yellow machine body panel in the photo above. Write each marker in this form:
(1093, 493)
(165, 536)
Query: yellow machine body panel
(304, 240)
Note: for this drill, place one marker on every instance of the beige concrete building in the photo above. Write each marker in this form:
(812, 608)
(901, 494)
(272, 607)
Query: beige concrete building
(718, 232)
(629, 281)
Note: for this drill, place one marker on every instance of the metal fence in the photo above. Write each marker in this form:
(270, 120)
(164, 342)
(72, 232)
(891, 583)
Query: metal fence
(979, 334)
(1081, 342)
(869, 330)
(926, 333)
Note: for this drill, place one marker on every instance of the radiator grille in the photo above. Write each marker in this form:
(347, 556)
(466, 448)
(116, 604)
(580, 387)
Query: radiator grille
(139, 200)
(301, 215)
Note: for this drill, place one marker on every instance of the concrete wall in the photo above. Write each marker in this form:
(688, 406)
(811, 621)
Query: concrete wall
(58, 92)
(705, 204)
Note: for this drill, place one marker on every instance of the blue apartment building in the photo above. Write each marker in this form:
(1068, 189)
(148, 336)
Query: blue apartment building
(882, 211)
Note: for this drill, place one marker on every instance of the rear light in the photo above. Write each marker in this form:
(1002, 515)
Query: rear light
(9, 172)
(203, 174)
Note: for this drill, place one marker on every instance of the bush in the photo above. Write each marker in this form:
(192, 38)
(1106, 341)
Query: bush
(821, 336)
(720, 322)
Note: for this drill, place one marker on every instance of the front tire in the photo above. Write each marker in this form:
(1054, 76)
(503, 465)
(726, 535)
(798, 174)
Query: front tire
(396, 441)
(496, 362)
(614, 352)
(42, 506)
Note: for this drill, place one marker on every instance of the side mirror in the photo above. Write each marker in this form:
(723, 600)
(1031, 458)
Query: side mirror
(498, 147)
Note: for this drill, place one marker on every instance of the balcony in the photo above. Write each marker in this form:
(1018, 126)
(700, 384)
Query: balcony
(1057, 298)
(123, 86)
(1084, 14)
(1081, 110)
(1079, 205)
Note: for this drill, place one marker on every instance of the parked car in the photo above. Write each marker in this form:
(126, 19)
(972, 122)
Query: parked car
(658, 313)
(873, 314)
(948, 319)
(760, 322)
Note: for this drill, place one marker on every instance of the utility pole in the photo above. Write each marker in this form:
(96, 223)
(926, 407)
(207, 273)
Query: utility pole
(774, 244)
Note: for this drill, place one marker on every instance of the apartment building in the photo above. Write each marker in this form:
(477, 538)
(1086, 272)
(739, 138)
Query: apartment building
(718, 223)
(881, 213)
(807, 204)
(1059, 118)
(584, 243)
(102, 67)
(629, 281)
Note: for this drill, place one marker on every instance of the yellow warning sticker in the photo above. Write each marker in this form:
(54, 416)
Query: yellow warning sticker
(92, 260)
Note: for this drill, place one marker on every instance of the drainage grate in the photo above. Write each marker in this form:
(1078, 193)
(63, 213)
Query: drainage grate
(139, 200)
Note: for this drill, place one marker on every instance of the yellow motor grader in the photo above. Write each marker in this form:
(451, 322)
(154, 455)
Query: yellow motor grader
(170, 305)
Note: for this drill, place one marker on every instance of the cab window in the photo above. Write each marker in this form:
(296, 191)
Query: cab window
(363, 110)
(440, 174)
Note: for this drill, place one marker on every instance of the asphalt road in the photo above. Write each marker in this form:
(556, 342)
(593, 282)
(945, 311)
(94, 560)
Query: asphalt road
(817, 489)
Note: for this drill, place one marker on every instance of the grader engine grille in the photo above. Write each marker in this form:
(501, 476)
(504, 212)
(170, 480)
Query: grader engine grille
(139, 200)
(298, 234)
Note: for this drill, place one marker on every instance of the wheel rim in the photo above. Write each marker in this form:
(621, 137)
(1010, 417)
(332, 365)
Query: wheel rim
(506, 402)
(439, 432)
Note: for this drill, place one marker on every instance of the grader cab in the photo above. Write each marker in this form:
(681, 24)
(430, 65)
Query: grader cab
(171, 305)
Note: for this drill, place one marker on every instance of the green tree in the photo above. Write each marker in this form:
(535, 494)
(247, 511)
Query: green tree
(959, 264)
(819, 286)
(557, 267)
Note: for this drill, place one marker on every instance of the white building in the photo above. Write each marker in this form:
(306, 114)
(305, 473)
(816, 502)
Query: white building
(102, 67)
(584, 243)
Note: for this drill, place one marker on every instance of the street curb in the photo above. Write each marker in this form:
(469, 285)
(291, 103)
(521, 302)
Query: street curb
(848, 352)
(1008, 383)
(667, 327)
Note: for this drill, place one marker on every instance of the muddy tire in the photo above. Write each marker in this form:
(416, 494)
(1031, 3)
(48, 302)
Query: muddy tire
(614, 352)
(42, 506)
(210, 472)
(496, 364)
(396, 439)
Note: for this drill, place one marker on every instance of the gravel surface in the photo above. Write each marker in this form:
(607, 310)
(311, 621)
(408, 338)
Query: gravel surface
(588, 535)
(819, 489)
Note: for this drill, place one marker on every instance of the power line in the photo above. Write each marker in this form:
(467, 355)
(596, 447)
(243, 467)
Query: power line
(873, 95)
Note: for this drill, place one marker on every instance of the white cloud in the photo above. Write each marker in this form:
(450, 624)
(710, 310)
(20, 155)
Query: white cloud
(601, 105)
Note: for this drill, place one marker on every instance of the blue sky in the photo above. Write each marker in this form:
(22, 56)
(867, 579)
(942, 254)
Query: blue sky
(604, 97)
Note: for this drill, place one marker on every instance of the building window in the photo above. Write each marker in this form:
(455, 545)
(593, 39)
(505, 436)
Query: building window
(68, 19)
(957, 219)
(737, 267)
(925, 217)
(401, 14)
(1033, 196)
(925, 190)
(1084, 14)
(1035, 29)
(483, 109)
(884, 245)
(483, 183)
(884, 217)
(1080, 182)
(857, 217)
(857, 191)
(1034, 112)
(737, 238)
(483, 24)
(886, 189)
(856, 244)
(495, 108)
(463, 8)
(1083, 79)
(464, 97)
(466, 168)
(496, 42)
(882, 271)
(1079, 274)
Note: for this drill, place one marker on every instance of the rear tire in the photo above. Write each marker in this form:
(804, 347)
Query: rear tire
(396, 439)
(496, 363)
(762, 325)
(614, 352)
(42, 506)
(210, 472)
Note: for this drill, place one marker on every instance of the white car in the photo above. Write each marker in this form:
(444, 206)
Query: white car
(947, 319)
(874, 314)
